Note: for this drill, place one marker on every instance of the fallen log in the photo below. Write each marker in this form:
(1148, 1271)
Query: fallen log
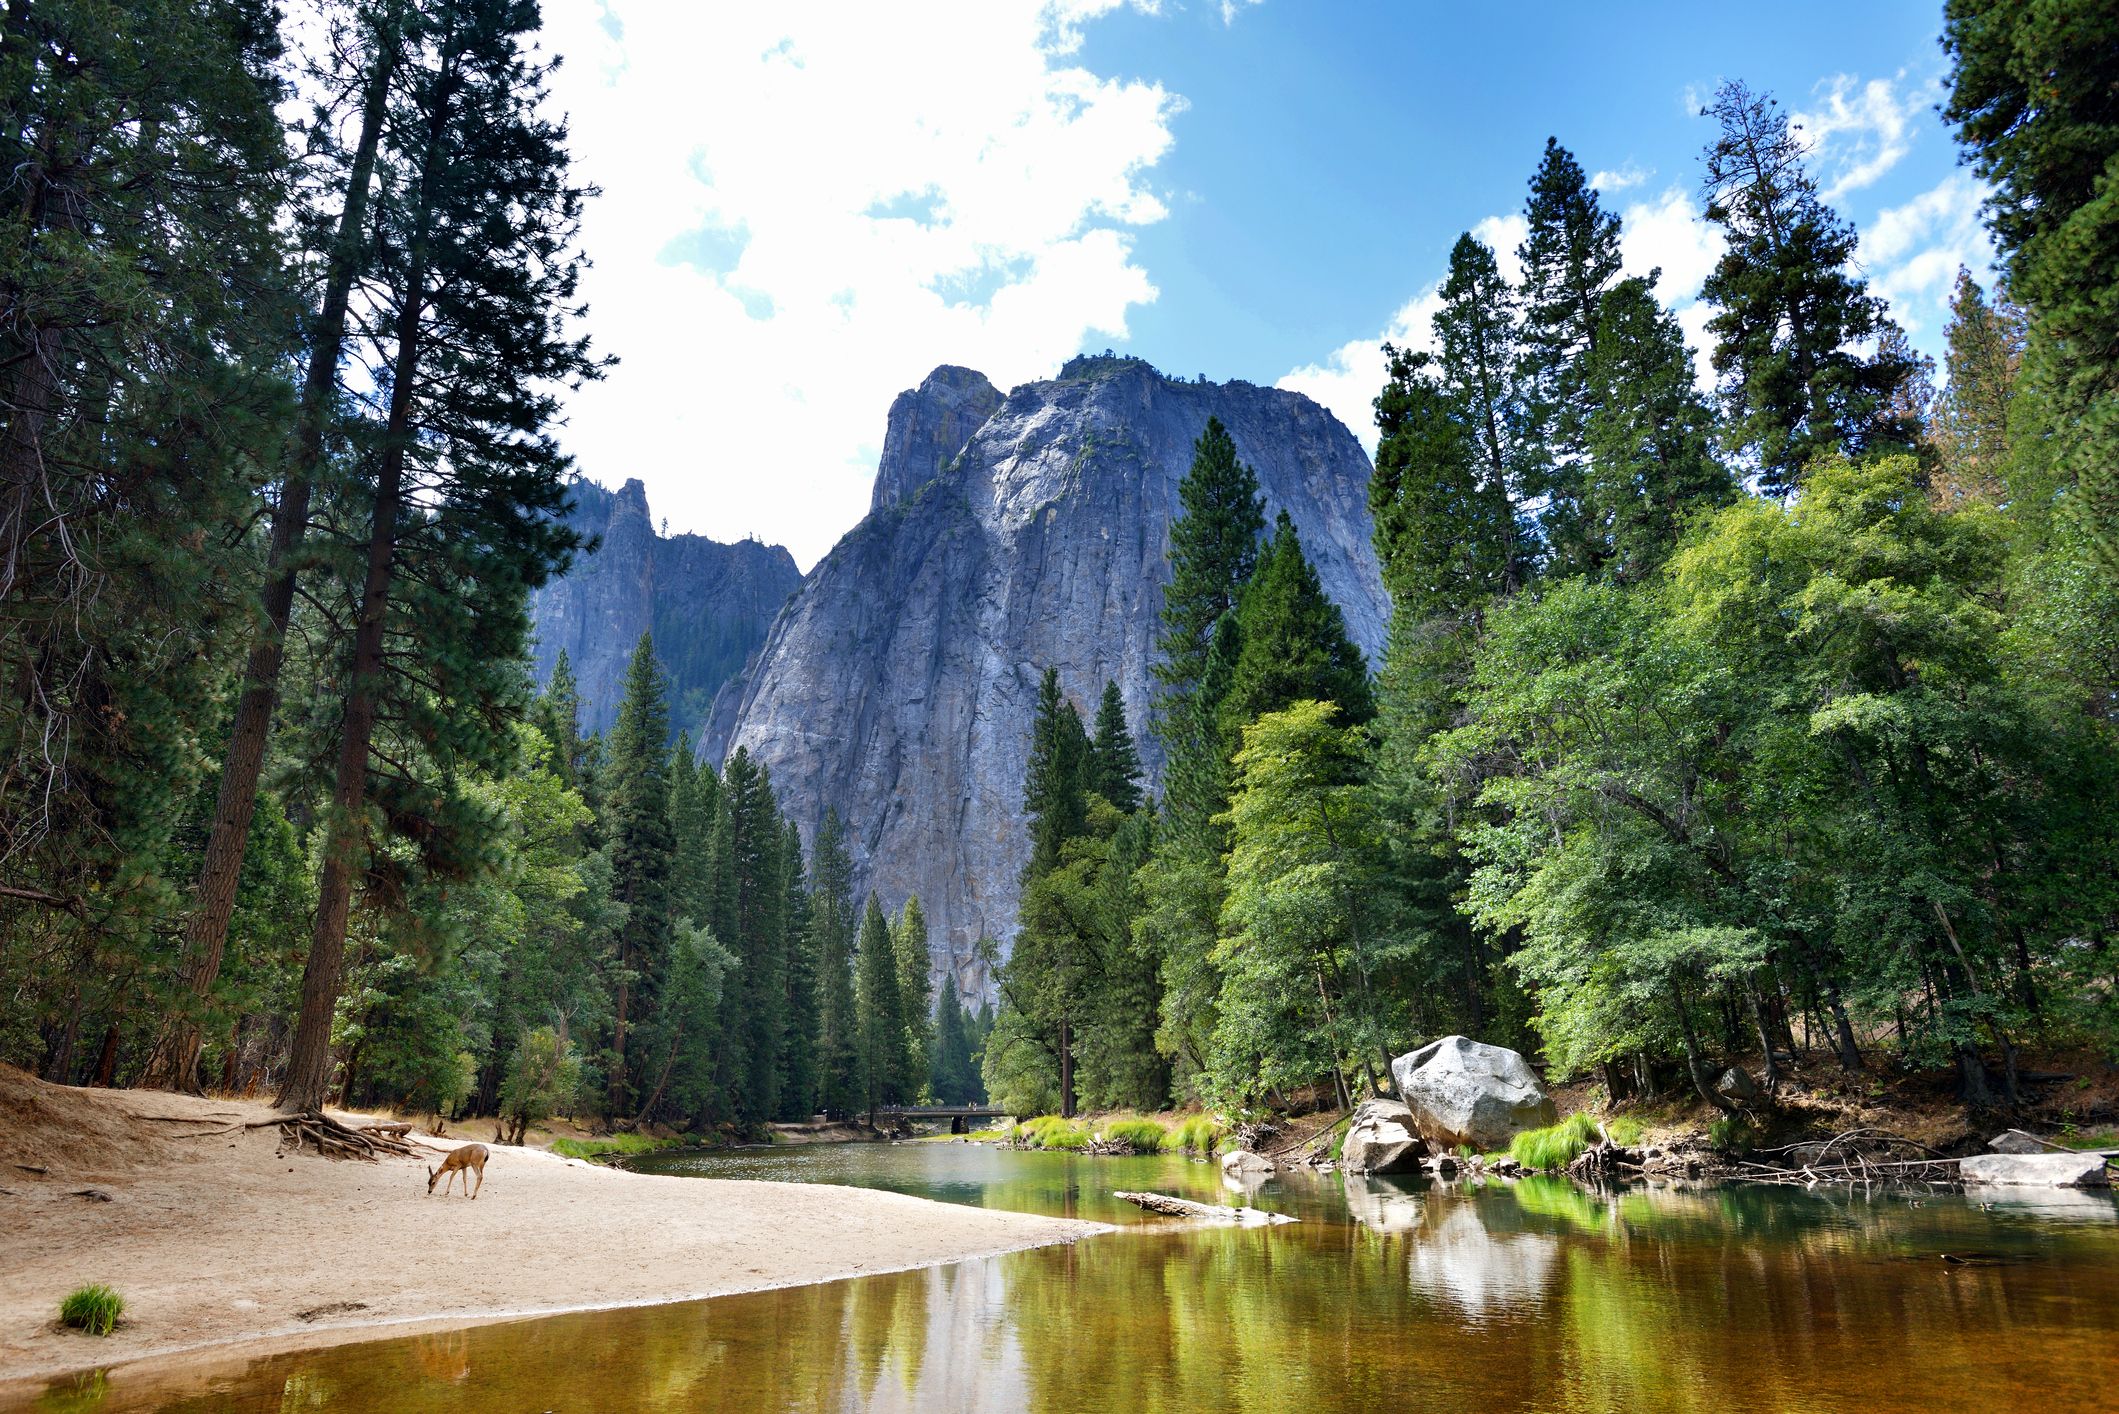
(1170, 1207)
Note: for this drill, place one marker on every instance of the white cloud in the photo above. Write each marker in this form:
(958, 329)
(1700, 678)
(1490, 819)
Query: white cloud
(1858, 131)
(1627, 175)
(1912, 251)
(806, 208)
(1668, 233)
(1230, 9)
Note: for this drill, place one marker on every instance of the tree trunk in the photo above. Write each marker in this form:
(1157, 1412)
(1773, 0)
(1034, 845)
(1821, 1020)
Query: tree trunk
(107, 1058)
(1695, 1063)
(1066, 1065)
(617, 1077)
(309, 1058)
(175, 1064)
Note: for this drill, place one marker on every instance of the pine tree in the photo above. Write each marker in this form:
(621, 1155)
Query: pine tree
(461, 517)
(950, 1075)
(1213, 547)
(833, 924)
(1477, 327)
(1295, 644)
(1570, 259)
(880, 1032)
(558, 715)
(1055, 788)
(1985, 359)
(798, 1052)
(367, 66)
(1650, 436)
(750, 920)
(915, 968)
(1789, 310)
(1114, 761)
(636, 796)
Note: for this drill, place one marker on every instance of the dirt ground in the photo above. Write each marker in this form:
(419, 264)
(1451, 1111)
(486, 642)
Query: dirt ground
(218, 1238)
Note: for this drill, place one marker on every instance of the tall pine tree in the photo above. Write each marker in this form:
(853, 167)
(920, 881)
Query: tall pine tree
(643, 852)
(1790, 311)
(1114, 761)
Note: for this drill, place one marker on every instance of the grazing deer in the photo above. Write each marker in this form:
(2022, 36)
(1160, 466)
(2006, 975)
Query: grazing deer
(471, 1157)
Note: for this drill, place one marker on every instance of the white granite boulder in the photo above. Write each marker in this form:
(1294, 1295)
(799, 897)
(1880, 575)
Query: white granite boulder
(1382, 1139)
(1461, 1091)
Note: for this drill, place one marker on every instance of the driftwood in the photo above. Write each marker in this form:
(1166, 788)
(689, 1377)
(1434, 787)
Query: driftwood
(1170, 1207)
(329, 1137)
(1852, 1156)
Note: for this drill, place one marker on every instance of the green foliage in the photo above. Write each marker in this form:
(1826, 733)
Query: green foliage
(1625, 1131)
(1052, 1132)
(1143, 1136)
(1195, 1134)
(1789, 309)
(541, 1078)
(1553, 1149)
(616, 1146)
(1730, 1135)
(881, 1065)
(93, 1309)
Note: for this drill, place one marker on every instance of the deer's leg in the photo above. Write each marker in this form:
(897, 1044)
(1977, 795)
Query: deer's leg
(481, 1181)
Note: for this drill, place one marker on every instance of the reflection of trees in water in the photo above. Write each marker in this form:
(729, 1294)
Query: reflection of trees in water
(1536, 1295)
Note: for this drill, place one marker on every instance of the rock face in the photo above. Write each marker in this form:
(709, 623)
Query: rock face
(1462, 1091)
(708, 605)
(899, 684)
(1382, 1139)
(928, 426)
(2036, 1170)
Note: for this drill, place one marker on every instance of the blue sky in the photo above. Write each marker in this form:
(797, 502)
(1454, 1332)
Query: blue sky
(807, 208)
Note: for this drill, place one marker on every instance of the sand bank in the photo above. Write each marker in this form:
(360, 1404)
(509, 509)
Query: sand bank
(219, 1240)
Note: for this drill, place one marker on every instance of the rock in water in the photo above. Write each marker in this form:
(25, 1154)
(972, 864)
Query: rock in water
(1462, 1091)
(899, 685)
(1382, 1139)
(1241, 1163)
(2015, 1141)
(708, 605)
(2036, 1170)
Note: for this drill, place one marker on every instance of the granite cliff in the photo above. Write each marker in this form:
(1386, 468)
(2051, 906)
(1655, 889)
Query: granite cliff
(708, 605)
(1008, 535)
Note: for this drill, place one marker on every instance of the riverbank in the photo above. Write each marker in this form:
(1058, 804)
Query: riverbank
(219, 1240)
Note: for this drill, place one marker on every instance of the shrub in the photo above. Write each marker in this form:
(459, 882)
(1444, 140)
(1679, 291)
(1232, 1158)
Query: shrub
(541, 1076)
(1142, 1136)
(1052, 1132)
(1554, 1148)
(1196, 1135)
(94, 1309)
(1624, 1130)
(1731, 1134)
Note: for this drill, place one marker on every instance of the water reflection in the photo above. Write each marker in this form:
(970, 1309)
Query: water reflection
(1526, 1296)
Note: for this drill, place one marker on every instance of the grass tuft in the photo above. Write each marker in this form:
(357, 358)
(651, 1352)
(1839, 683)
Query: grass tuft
(94, 1309)
(618, 1146)
(1625, 1131)
(1731, 1134)
(1555, 1148)
(1195, 1135)
(1142, 1136)
(1052, 1132)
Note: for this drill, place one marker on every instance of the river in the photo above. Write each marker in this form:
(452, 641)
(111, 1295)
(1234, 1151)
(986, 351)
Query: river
(1534, 1296)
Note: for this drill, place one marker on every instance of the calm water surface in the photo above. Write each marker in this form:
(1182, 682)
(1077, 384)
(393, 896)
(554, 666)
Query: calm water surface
(1528, 1296)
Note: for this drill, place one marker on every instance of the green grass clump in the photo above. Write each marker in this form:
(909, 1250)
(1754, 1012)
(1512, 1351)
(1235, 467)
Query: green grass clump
(1052, 1132)
(617, 1146)
(94, 1309)
(1625, 1131)
(1554, 1148)
(1731, 1134)
(1196, 1135)
(1142, 1136)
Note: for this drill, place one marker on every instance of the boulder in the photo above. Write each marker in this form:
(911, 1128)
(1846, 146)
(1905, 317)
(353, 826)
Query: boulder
(1461, 1091)
(1241, 1163)
(2035, 1170)
(1382, 1139)
(2015, 1141)
(1736, 1084)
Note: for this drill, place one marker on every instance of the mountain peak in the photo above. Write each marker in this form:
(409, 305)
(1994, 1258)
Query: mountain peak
(928, 426)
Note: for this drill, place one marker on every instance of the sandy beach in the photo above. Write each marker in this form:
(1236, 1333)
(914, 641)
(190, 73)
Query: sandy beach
(220, 1240)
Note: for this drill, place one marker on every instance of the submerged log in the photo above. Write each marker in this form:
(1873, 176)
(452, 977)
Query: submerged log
(1171, 1207)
